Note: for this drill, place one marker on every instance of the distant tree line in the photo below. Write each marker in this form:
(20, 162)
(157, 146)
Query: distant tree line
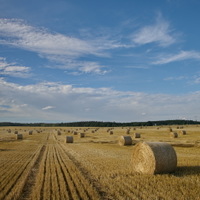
(103, 124)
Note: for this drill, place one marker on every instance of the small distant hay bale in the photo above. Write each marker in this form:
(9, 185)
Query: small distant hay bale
(9, 131)
(111, 132)
(19, 136)
(30, 132)
(58, 133)
(69, 139)
(81, 135)
(137, 135)
(170, 129)
(125, 140)
(16, 132)
(75, 133)
(128, 131)
(153, 158)
(173, 134)
(183, 132)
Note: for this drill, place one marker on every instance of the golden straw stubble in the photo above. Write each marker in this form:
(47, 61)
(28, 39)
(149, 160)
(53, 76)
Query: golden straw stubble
(153, 158)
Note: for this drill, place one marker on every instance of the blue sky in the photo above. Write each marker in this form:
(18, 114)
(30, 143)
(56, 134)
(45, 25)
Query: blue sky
(108, 60)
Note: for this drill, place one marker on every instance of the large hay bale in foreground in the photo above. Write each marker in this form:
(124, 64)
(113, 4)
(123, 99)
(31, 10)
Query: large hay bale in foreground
(125, 140)
(153, 158)
(19, 136)
(69, 139)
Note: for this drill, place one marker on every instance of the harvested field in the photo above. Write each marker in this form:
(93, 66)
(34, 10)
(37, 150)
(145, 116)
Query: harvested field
(44, 166)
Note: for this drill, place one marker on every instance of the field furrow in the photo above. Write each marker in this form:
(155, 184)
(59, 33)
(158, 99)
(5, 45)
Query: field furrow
(27, 189)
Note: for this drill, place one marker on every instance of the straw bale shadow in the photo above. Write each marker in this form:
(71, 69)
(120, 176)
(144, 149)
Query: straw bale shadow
(187, 171)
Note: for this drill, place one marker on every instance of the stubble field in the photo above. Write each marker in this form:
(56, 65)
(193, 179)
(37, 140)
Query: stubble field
(43, 166)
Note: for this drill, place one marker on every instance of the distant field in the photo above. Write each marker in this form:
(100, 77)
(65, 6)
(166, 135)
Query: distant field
(43, 166)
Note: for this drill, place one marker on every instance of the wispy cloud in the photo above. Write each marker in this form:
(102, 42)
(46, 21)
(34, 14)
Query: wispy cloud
(160, 33)
(21, 35)
(17, 33)
(48, 107)
(80, 67)
(183, 55)
(57, 48)
(137, 67)
(178, 78)
(11, 69)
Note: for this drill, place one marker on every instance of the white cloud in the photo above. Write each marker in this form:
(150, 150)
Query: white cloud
(11, 69)
(183, 55)
(159, 32)
(137, 67)
(178, 78)
(55, 101)
(196, 79)
(57, 48)
(18, 34)
(48, 107)
(94, 67)
(82, 67)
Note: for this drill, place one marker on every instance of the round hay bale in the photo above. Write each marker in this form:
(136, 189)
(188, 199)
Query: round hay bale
(173, 134)
(170, 129)
(153, 158)
(183, 132)
(128, 131)
(81, 135)
(30, 132)
(69, 139)
(125, 140)
(19, 136)
(111, 132)
(58, 133)
(137, 135)
(16, 132)
(75, 133)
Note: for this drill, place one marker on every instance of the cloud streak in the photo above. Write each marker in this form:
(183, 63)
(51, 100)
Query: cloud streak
(18, 34)
(56, 47)
(183, 55)
(11, 69)
(159, 32)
